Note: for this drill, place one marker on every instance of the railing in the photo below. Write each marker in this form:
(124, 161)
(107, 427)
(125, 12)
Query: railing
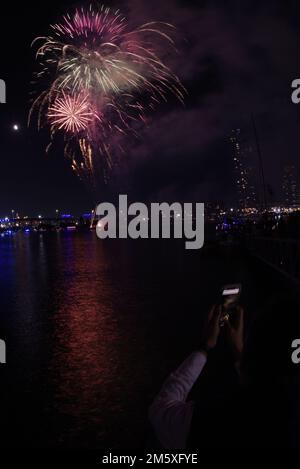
(281, 254)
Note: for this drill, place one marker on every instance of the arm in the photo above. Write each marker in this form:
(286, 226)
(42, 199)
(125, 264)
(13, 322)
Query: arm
(170, 414)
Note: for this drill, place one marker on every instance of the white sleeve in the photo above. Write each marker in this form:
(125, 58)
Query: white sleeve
(170, 414)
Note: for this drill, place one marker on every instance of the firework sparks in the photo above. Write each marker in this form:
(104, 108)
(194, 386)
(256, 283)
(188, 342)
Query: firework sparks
(71, 113)
(95, 65)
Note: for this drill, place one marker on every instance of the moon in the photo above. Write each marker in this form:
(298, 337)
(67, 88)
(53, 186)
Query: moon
(16, 127)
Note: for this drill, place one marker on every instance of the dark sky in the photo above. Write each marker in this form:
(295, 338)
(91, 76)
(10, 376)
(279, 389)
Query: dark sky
(235, 58)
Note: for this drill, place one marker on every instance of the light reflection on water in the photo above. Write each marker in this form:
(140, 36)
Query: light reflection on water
(93, 327)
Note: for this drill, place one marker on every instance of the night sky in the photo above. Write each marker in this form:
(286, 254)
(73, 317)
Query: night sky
(234, 61)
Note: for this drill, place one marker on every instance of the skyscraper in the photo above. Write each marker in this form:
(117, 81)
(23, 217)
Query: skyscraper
(244, 171)
(290, 186)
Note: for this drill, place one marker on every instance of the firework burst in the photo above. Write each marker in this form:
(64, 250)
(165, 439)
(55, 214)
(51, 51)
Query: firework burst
(71, 113)
(100, 78)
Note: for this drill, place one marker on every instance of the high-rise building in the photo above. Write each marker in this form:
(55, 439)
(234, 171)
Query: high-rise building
(244, 171)
(251, 172)
(290, 186)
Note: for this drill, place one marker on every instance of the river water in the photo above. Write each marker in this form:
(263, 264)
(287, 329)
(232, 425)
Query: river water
(92, 328)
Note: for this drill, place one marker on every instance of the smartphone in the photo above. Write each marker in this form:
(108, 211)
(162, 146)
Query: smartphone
(230, 295)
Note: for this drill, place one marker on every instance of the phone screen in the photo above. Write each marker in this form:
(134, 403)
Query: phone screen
(231, 291)
(230, 296)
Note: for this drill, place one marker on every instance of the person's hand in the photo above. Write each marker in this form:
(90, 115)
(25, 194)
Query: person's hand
(212, 328)
(234, 327)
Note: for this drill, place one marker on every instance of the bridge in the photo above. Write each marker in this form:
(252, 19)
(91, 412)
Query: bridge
(42, 223)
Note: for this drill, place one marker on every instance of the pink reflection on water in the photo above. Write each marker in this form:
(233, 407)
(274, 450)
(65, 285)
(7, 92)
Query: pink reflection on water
(85, 363)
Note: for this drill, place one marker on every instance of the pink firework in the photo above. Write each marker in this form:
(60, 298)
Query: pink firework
(102, 24)
(71, 113)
